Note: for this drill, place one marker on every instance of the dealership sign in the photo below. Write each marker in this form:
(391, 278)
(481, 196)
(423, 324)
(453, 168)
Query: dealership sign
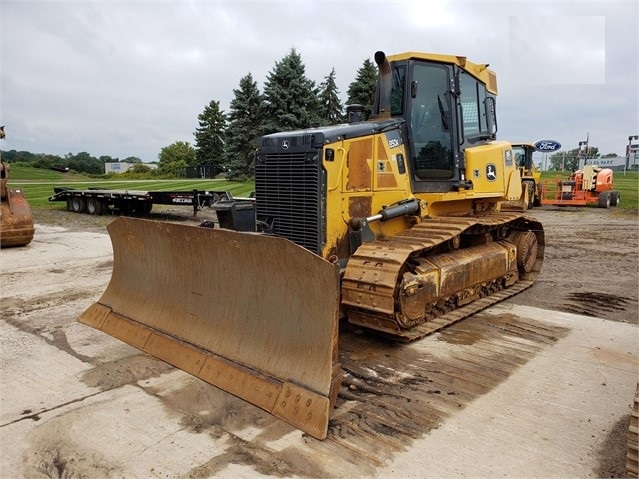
(547, 145)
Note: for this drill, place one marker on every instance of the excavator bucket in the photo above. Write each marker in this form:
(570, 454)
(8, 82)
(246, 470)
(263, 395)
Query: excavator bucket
(252, 314)
(16, 220)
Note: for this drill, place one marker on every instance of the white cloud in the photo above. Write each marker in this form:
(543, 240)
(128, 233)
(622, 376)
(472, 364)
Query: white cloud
(558, 50)
(128, 78)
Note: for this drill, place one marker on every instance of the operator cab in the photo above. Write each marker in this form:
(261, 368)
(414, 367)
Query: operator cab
(446, 110)
(523, 155)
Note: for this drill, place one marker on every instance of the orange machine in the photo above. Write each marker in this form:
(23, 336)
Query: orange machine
(16, 220)
(591, 186)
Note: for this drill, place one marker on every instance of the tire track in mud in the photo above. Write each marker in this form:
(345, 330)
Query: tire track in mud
(596, 304)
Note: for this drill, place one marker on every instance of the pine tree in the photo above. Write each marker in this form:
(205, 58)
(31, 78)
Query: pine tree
(209, 137)
(331, 109)
(244, 126)
(362, 90)
(291, 100)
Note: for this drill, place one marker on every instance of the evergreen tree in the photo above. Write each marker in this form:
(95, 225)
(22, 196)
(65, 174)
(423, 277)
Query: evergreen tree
(291, 100)
(362, 90)
(331, 109)
(244, 124)
(209, 137)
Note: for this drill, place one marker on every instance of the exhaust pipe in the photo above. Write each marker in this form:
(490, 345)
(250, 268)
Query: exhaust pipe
(384, 85)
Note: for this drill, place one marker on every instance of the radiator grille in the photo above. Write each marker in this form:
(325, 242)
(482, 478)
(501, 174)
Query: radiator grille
(288, 193)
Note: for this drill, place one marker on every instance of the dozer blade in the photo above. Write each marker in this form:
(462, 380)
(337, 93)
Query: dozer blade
(253, 314)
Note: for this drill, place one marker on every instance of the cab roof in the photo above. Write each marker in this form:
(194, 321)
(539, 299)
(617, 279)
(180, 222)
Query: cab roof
(478, 70)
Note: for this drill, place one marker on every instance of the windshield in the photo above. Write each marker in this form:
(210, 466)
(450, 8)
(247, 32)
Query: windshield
(430, 121)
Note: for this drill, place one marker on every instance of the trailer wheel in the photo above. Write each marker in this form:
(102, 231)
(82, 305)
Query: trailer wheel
(94, 206)
(77, 204)
(615, 196)
(604, 200)
(69, 204)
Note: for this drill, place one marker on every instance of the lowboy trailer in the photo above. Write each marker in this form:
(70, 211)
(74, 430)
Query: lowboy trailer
(96, 201)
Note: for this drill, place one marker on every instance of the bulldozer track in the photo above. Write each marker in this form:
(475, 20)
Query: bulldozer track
(370, 283)
(458, 314)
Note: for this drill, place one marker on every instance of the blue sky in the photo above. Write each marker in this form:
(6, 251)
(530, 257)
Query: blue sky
(128, 78)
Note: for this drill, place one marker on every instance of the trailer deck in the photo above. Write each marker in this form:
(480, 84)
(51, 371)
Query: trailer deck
(98, 201)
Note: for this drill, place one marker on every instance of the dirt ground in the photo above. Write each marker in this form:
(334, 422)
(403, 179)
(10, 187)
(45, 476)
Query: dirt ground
(591, 268)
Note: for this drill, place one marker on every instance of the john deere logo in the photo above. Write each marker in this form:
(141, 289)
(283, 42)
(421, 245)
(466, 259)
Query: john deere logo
(491, 172)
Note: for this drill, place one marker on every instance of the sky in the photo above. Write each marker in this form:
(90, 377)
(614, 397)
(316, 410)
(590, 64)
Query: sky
(127, 78)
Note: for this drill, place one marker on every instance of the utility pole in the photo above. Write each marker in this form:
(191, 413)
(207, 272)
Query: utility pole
(632, 149)
(584, 152)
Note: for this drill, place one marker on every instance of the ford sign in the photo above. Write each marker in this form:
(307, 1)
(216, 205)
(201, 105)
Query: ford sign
(547, 145)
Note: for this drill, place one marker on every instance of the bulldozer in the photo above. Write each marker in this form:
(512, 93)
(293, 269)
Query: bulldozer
(591, 185)
(390, 225)
(16, 220)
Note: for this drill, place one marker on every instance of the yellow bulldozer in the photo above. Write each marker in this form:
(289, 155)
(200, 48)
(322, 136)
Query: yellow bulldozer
(391, 224)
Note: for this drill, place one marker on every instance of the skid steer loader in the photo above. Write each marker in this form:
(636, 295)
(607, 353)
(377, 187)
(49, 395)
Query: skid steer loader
(392, 224)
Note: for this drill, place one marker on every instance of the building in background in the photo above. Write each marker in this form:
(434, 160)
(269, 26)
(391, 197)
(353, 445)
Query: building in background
(123, 166)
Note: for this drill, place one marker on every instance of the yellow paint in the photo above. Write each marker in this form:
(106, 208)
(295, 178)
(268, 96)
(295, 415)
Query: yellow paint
(364, 178)
(478, 70)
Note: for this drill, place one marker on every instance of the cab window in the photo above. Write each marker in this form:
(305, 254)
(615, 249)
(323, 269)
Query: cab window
(473, 106)
(430, 122)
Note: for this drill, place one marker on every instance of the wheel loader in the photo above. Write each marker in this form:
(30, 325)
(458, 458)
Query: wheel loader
(530, 174)
(16, 220)
(392, 225)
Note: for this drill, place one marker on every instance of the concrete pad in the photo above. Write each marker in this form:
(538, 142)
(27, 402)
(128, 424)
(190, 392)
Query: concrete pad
(475, 401)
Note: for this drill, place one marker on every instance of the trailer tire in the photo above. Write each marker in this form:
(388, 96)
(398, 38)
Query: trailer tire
(604, 200)
(78, 204)
(615, 197)
(94, 206)
(69, 205)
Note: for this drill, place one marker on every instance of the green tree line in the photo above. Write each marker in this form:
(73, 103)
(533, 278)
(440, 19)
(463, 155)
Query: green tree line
(225, 141)
(81, 162)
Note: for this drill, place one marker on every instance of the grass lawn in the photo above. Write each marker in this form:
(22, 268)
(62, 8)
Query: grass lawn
(38, 185)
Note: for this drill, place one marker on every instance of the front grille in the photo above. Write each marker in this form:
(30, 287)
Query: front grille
(288, 196)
